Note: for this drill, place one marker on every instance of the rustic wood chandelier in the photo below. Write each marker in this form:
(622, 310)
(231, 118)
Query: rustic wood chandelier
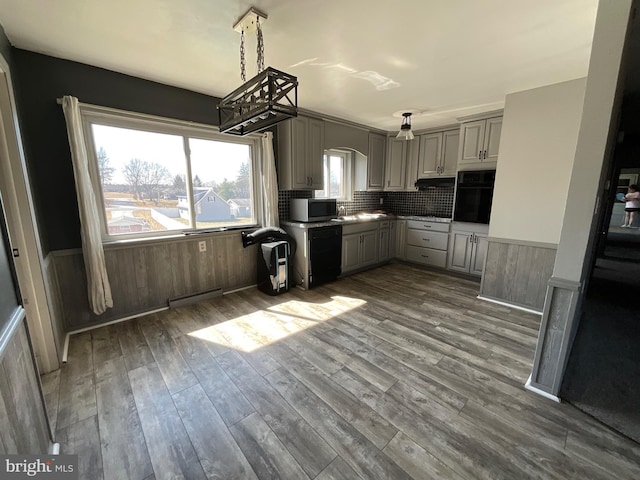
(264, 100)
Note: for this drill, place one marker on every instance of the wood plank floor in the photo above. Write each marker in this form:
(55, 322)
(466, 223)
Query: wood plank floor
(394, 373)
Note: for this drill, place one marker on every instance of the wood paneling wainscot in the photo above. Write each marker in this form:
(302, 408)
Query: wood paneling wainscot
(23, 421)
(517, 272)
(145, 275)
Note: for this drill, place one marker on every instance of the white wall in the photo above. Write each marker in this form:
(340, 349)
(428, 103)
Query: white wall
(537, 151)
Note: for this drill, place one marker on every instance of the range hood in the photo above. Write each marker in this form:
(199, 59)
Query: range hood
(426, 183)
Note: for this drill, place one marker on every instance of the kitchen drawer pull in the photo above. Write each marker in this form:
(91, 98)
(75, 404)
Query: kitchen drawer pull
(424, 256)
(426, 239)
(426, 226)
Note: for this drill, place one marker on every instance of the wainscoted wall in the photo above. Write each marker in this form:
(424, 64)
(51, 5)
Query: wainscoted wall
(556, 335)
(436, 201)
(23, 422)
(144, 277)
(517, 272)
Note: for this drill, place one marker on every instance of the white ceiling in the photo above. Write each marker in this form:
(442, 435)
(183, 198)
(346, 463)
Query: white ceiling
(360, 60)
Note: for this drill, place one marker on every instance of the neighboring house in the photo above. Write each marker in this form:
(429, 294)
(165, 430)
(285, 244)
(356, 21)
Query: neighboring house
(127, 224)
(210, 207)
(240, 207)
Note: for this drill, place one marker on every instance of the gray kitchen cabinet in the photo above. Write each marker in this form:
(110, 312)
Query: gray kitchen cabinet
(359, 246)
(350, 252)
(375, 161)
(427, 243)
(401, 239)
(384, 241)
(438, 154)
(393, 225)
(300, 154)
(480, 141)
(467, 251)
(396, 164)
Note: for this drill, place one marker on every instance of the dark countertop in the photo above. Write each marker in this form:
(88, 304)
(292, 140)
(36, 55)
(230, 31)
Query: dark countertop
(351, 219)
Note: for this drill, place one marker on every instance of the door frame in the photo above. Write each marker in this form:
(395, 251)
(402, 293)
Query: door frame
(23, 230)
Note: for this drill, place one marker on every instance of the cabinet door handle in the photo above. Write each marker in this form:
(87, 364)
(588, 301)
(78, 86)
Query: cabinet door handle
(480, 155)
(485, 155)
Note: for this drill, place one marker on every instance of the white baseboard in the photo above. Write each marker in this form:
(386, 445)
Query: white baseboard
(510, 305)
(533, 389)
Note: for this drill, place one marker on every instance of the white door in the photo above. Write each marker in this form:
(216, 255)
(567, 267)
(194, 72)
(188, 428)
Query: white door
(23, 233)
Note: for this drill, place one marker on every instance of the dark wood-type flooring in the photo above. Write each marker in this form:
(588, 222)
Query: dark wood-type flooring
(394, 373)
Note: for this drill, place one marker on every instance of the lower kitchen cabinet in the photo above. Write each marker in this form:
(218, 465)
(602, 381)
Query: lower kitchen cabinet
(427, 243)
(400, 240)
(384, 241)
(359, 246)
(467, 251)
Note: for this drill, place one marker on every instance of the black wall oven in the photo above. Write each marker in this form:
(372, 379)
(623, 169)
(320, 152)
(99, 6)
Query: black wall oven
(474, 194)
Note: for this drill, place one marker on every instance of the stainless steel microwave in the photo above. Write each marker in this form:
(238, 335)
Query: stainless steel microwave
(312, 209)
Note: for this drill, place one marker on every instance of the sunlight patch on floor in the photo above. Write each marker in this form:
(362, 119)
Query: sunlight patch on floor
(263, 327)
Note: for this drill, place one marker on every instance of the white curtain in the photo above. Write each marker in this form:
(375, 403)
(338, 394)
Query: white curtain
(269, 182)
(98, 282)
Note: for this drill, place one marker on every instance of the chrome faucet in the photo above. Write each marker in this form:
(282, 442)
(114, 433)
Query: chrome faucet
(342, 211)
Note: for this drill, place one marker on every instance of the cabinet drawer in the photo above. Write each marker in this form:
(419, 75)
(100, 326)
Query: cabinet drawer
(424, 238)
(433, 226)
(427, 256)
(384, 223)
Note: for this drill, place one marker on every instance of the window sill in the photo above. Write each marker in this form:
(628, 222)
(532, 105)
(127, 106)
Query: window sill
(177, 237)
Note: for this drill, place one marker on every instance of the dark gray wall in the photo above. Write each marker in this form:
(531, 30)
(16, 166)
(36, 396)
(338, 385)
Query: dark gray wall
(5, 48)
(38, 81)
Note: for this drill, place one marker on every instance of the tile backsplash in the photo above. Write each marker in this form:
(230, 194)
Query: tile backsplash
(435, 201)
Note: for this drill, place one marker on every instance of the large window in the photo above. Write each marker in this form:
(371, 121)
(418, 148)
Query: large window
(161, 176)
(337, 175)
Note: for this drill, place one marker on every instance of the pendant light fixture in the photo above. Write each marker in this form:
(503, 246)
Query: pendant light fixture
(405, 132)
(266, 99)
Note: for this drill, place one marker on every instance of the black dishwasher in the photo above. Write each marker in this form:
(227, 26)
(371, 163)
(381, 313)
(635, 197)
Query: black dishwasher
(325, 254)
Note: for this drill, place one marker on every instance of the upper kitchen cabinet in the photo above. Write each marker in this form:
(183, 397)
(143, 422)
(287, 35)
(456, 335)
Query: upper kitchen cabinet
(479, 142)
(438, 154)
(375, 161)
(396, 164)
(300, 151)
